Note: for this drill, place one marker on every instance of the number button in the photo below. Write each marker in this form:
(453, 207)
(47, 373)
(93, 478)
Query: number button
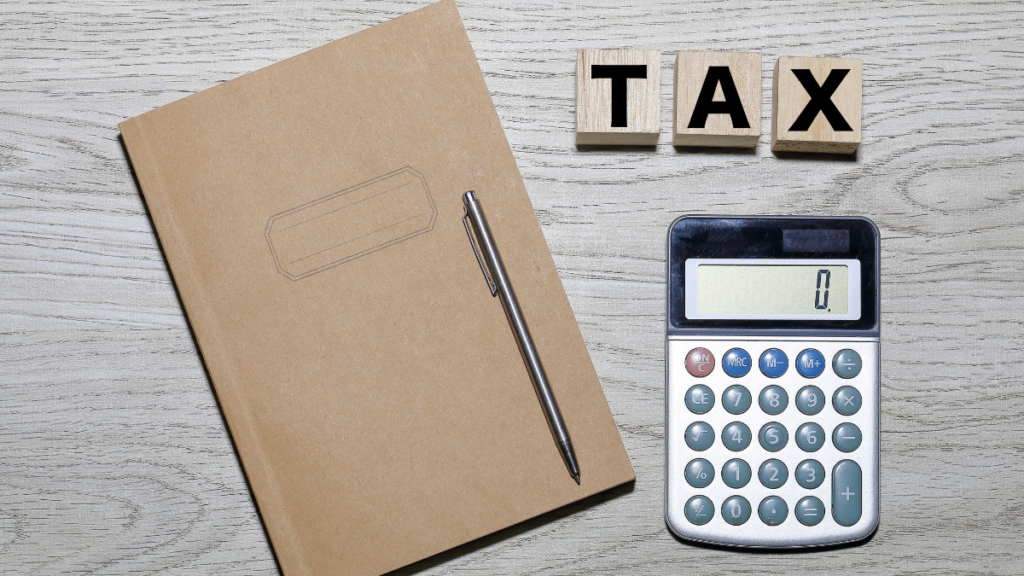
(773, 400)
(736, 436)
(846, 364)
(774, 363)
(700, 362)
(699, 473)
(736, 399)
(773, 436)
(736, 510)
(810, 437)
(810, 400)
(773, 474)
(846, 437)
(700, 436)
(736, 363)
(810, 363)
(810, 511)
(699, 510)
(810, 474)
(700, 399)
(736, 473)
(846, 400)
(846, 493)
(773, 510)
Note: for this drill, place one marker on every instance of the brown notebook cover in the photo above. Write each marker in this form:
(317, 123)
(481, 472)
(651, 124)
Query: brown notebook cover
(311, 214)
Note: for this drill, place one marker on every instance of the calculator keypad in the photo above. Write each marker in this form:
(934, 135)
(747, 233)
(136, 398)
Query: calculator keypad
(815, 453)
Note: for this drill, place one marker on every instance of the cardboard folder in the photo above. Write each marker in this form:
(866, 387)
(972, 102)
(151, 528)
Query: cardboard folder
(311, 215)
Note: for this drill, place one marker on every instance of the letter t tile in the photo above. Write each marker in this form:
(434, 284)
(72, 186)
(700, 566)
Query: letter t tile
(618, 97)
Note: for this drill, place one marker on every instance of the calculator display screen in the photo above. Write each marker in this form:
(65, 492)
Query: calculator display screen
(765, 289)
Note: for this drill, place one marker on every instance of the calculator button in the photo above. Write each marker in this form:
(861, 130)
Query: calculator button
(810, 363)
(736, 510)
(736, 436)
(774, 363)
(700, 436)
(810, 400)
(773, 400)
(846, 493)
(699, 473)
(809, 511)
(846, 400)
(773, 510)
(810, 474)
(846, 437)
(846, 364)
(699, 510)
(700, 399)
(773, 436)
(810, 437)
(700, 362)
(773, 474)
(736, 362)
(736, 399)
(736, 473)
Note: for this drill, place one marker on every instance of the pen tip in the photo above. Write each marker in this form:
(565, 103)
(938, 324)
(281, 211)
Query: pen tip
(576, 477)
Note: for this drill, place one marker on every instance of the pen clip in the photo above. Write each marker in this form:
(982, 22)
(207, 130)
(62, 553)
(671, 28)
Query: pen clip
(479, 260)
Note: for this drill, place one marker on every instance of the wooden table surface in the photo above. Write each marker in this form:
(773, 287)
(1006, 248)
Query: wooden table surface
(114, 457)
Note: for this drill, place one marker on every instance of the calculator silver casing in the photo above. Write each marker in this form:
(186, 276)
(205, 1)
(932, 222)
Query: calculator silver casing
(754, 533)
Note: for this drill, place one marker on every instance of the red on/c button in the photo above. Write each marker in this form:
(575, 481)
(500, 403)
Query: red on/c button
(700, 362)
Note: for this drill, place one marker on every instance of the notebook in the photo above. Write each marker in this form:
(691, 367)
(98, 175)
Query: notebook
(311, 216)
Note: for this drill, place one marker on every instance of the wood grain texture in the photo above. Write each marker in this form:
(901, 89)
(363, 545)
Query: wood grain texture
(114, 458)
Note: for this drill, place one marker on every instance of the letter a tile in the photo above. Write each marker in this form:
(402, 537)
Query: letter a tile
(717, 99)
(618, 97)
(816, 105)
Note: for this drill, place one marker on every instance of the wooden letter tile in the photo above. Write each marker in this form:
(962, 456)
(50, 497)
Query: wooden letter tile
(816, 105)
(618, 97)
(717, 100)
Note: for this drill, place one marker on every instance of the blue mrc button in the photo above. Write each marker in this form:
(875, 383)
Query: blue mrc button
(736, 362)
(810, 363)
(774, 363)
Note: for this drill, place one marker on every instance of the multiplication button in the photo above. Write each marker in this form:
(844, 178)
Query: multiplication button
(847, 400)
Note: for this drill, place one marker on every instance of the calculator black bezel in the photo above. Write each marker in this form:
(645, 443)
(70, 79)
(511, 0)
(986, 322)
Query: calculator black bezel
(761, 237)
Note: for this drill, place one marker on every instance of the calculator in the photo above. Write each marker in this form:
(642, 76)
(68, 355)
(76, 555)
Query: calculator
(772, 380)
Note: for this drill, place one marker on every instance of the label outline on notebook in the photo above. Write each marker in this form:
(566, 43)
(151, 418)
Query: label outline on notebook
(311, 238)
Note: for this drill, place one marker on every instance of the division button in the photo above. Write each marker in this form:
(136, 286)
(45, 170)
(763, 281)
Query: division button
(736, 436)
(810, 363)
(700, 399)
(699, 473)
(700, 362)
(736, 362)
(810, 437)
(846, 493)
(736, 510)
(846, 400)
(773, 437)
(699, 510)
(773, 400)
(809, 511)
(846, 364)
(810, 474)
(736, 473)
(736, 399)
(773, 474)
(810, 400)
(773, 510)
(774, 363)
(700, 436)
(846, 437)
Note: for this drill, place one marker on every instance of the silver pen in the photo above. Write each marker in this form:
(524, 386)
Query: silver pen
(501, 285)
